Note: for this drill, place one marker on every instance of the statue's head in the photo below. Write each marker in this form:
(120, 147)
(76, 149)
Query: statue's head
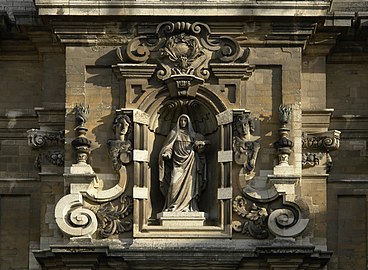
(183, 121)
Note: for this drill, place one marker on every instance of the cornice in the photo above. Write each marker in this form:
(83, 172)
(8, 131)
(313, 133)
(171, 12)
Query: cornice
(180, 8)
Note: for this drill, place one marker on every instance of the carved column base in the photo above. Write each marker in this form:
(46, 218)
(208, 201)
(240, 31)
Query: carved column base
(182, 220)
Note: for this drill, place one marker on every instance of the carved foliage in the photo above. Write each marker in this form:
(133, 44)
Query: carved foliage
(256, 218)
(183, 48)
(284, 221)
(81, 114)
(56, 157)
(284, 114)
(75, 218)
(311, 159)
(112, 217)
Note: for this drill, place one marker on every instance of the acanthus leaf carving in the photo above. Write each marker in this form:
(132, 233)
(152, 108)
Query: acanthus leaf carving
(256, 218)
(112, 216)
(328, 141)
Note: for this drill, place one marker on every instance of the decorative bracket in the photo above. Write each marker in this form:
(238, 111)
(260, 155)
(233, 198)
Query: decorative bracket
(45, 141)
(318, 145)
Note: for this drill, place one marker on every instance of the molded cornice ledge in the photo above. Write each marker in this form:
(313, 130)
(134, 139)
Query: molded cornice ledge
(179, 8)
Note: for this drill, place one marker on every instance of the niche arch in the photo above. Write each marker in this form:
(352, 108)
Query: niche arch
(163, 110)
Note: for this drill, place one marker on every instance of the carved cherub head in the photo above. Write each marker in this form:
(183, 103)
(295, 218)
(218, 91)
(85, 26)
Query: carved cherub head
(244, 125)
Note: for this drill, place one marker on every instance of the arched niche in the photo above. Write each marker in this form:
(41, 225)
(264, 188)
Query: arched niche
(206, 111)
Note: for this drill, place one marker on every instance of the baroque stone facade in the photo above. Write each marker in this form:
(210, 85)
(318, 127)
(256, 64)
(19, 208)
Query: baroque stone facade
(183, 135)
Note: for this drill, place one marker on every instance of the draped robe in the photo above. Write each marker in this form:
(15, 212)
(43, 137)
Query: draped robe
(182, 176)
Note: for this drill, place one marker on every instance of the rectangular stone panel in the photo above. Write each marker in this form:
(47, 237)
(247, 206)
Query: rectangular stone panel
(352, 235)
(14, 232)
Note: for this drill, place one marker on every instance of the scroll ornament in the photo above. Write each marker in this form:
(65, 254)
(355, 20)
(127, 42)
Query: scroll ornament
(183, 52)
(77, 218)
(286, 221)
(96, 210)
(47, 140)
(317, 145)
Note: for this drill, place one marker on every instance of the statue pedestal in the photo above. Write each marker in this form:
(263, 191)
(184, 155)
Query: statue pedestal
(182, 219)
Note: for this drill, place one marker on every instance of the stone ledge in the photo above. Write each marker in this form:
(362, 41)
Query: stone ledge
(181, 220)
(218, 254)
(180, 8)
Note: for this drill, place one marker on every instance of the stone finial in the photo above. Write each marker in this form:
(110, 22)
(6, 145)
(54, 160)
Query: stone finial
(81, 143)
(284, 145)
(284, 114)
(81, 114)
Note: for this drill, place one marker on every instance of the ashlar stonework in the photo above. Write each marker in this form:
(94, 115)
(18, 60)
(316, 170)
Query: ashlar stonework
(183, 135)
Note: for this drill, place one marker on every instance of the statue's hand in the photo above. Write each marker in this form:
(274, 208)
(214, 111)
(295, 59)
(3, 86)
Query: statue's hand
(166, 156)
(199, 145)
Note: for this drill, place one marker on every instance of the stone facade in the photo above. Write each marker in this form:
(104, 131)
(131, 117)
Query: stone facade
(272, 168)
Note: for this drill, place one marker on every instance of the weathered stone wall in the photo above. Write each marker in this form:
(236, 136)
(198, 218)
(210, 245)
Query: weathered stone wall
(347, 85)
(37, 73)
(347, 88)
(91, 81)
(314, 83)
(31, 83)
